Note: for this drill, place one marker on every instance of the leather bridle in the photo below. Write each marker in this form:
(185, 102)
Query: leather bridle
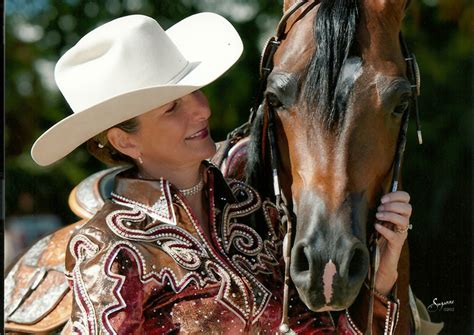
(266, 67)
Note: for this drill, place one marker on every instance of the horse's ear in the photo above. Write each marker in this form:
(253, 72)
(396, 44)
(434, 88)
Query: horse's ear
(287, 4)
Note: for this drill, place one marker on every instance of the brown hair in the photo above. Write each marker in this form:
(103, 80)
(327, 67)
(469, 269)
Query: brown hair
(100, 147)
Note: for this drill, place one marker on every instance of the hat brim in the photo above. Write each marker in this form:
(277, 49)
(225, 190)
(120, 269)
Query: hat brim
(207, 40)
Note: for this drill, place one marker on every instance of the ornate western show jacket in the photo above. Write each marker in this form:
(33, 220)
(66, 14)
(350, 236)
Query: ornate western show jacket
(145, 265)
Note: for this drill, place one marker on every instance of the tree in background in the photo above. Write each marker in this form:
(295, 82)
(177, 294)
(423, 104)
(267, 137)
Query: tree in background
(438, 174)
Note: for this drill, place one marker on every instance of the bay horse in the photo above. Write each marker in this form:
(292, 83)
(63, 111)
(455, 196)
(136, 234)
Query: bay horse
(337, 86)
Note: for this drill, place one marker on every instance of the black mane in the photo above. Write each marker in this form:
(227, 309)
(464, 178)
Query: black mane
(334, 33)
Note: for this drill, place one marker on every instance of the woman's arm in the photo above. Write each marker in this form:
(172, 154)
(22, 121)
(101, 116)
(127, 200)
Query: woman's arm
(100, 276)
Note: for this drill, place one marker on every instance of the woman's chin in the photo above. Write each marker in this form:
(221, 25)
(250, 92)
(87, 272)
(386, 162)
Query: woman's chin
(213, 148)
(204, 151)
(208, 147)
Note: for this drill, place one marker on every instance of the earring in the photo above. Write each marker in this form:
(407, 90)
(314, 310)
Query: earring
(140, 160)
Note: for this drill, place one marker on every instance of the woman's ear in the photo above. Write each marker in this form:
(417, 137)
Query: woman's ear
(123, 142)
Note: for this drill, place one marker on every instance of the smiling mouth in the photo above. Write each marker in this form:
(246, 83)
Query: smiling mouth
(203, 133)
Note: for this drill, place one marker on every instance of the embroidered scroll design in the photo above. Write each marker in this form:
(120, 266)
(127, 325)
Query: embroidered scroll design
(162, 210)
(179, 244)
(184, 248)
(119, 221)
(165, 276)
(252, 255)
(79, 329)
(243, 254)
(81, 248)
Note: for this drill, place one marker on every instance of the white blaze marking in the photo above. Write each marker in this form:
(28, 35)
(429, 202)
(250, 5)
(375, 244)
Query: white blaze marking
(329, 272)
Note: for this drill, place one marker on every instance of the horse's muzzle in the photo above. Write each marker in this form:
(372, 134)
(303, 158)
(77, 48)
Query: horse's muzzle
(328, 270)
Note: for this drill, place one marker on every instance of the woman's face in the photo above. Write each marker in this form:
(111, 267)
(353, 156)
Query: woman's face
(175, 135)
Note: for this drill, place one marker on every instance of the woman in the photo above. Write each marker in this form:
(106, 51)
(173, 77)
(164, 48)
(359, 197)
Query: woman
(173, 250)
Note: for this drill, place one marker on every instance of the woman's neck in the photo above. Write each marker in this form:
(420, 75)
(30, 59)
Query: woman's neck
(183, 177)
(200, 209)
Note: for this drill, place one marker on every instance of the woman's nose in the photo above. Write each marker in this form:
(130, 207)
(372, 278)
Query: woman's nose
(200, 106)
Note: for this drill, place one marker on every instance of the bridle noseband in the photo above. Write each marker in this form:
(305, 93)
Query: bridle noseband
(287, 217)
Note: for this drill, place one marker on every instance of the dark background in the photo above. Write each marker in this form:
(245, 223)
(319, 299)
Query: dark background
(438, 174)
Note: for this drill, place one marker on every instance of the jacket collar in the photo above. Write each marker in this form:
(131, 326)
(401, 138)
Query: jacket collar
(157, 194)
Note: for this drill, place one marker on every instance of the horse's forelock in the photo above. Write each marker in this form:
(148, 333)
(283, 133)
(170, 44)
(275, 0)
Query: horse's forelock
(334, 32)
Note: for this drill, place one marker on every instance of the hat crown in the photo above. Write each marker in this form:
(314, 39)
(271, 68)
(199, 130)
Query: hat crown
(123, 55)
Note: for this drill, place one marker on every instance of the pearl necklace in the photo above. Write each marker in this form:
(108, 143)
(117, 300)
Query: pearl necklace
(187, 192)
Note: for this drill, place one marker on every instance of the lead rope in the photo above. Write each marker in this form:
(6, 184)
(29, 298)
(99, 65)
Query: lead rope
(286, 218)
(281, 204)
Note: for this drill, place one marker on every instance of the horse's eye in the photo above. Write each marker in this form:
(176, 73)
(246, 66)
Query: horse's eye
(401, 108)
(273, 100)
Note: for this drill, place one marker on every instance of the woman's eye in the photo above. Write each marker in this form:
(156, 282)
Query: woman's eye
(273, 100)
(171, 109)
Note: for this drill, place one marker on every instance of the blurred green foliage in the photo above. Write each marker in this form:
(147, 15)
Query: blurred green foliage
(438, 174)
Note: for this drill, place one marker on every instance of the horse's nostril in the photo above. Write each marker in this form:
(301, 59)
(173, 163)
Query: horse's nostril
(301, 263)
(358, 265)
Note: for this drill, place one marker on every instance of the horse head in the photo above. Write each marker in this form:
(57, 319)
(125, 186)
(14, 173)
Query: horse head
(338, 90)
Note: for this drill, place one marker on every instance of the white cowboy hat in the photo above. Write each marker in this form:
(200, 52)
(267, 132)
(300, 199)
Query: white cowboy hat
(130, 66)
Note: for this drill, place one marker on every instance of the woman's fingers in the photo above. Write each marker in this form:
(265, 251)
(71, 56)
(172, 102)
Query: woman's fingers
(392, 237)
(398, 196)
(396, 207)
(394, 218)
(385, 232)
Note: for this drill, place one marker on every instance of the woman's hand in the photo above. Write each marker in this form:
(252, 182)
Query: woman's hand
(394, 212)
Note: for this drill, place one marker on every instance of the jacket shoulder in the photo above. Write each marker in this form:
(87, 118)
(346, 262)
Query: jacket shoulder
(93, 234)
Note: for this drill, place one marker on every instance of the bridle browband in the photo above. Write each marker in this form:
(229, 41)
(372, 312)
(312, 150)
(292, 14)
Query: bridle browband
(266, 67)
